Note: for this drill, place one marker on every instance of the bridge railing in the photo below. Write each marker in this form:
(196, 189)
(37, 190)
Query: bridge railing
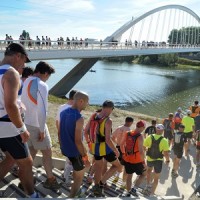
(91, 45)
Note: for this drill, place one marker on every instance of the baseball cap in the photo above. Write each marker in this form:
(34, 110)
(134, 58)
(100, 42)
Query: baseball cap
(108, 104)
(189, 112)
(15, 47)
(160, 127)
(179, 109)
(140, 124)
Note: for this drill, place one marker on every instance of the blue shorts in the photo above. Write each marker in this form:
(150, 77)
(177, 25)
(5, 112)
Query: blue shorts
(15, 147)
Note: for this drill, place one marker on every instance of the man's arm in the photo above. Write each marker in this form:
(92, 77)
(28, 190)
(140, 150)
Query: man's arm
(114, 135)
(109, 142)
(123, 142)
(11, 85)
(140, 145)
(87, 132)
(78, 137)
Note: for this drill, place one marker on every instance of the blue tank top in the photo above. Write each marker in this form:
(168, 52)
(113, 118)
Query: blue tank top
(68, 118)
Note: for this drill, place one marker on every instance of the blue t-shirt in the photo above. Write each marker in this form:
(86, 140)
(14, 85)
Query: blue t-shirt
(68, 118)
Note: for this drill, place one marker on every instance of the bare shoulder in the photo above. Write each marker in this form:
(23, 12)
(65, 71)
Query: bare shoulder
(11, 75)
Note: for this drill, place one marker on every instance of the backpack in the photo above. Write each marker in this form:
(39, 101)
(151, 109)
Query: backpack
(154, 151)
(97, 127)
(167, 124)
(130, 143)
(194, 108)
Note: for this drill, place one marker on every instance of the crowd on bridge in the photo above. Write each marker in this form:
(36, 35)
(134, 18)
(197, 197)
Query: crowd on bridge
(24, 132)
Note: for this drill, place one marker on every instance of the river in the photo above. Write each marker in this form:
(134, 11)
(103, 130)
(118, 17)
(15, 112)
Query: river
(150, 90)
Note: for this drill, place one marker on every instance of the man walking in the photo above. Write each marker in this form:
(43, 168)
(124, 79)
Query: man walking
(13, 132)
(98, 133)
(35, 98)
(71, 128)
(157, 147)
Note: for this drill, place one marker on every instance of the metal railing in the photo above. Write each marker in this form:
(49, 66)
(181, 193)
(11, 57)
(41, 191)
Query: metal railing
(91, 45)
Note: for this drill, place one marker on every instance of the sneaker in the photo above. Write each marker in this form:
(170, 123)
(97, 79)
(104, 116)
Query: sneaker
(134, 192)
(97, 191)
(103, 185)
(174, 174)
(116, 179)
(147, 190)
(51, 183)
(35, 195)
(81, 193)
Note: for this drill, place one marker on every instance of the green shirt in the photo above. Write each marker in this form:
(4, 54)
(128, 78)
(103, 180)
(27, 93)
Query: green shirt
(163, 146)
(188, 122)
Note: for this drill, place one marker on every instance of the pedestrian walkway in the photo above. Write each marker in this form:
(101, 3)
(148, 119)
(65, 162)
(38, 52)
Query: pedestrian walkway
(183, 187)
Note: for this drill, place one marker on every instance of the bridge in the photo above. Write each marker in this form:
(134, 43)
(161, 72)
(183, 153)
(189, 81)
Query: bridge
(166, 29)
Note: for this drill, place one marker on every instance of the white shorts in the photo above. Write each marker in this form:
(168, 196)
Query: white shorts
(34, 135)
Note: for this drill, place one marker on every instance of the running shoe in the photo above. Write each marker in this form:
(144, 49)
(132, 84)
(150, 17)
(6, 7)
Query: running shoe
(116, 179)
(51, 184)
(174, 174)
(134, 192)
(147, 190)
(97, 191)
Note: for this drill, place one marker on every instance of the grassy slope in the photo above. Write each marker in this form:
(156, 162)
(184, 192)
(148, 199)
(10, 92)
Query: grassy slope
(118, 116)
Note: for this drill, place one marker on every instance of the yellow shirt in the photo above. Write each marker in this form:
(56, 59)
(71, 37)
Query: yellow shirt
(188, 122)
(163, 146)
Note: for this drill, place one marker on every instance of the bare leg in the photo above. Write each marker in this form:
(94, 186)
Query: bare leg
(176, 164)
(115, 167)
(78, 178)
(47, 162)
(26, 174)
(33, 152)
(140, 179)
(98, 168)
(6, 165)
(129, 182)
(155, 182)
(124, 175)
(149, 172)
(197, 156)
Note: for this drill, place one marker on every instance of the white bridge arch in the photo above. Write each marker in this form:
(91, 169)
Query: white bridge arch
(131, 23)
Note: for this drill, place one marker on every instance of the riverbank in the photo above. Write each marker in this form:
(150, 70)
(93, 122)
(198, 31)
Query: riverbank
(118, 116)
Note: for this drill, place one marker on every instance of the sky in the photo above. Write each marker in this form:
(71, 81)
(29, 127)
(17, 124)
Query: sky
(75, 18)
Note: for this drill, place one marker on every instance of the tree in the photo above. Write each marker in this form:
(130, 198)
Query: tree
(186, 35)
(25, 34)
(168, 59)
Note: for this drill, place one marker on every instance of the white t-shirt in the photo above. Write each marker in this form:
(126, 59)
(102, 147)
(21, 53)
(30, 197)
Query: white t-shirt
(35, 98)
(60, 109)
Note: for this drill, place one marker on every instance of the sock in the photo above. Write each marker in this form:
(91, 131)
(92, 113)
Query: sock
(117, 174)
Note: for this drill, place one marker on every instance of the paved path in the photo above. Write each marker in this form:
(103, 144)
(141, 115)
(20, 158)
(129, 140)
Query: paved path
(186, 183)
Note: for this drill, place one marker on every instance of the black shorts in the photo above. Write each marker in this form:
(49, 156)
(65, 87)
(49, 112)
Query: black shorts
(168, 135)
(120, 158)
(15, 147)
(137, 168)
(110, 157)
(77, 163)
(157, 165)
(188, 135)
(178, 152)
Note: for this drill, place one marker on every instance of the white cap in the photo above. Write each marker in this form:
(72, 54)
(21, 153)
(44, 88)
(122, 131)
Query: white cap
(160, 127)
(189, 112)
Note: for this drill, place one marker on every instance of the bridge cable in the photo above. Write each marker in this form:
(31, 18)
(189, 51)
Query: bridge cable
(163, 26)
(150, 27)
(189, 38)
(181, 29)
(158, 17)
(169, 22)
(173, 29)
(198, 27)
(195, 33)
(131, 34)
(141, 28)
(179, 13)
(186, 24)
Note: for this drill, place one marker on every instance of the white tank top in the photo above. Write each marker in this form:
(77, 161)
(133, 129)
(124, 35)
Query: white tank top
(7, 129)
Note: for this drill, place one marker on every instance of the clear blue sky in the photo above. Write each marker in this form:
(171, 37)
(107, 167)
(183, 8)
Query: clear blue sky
(79, 18)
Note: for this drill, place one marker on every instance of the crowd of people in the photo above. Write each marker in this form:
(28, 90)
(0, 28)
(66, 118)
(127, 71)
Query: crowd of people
(140, 150)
